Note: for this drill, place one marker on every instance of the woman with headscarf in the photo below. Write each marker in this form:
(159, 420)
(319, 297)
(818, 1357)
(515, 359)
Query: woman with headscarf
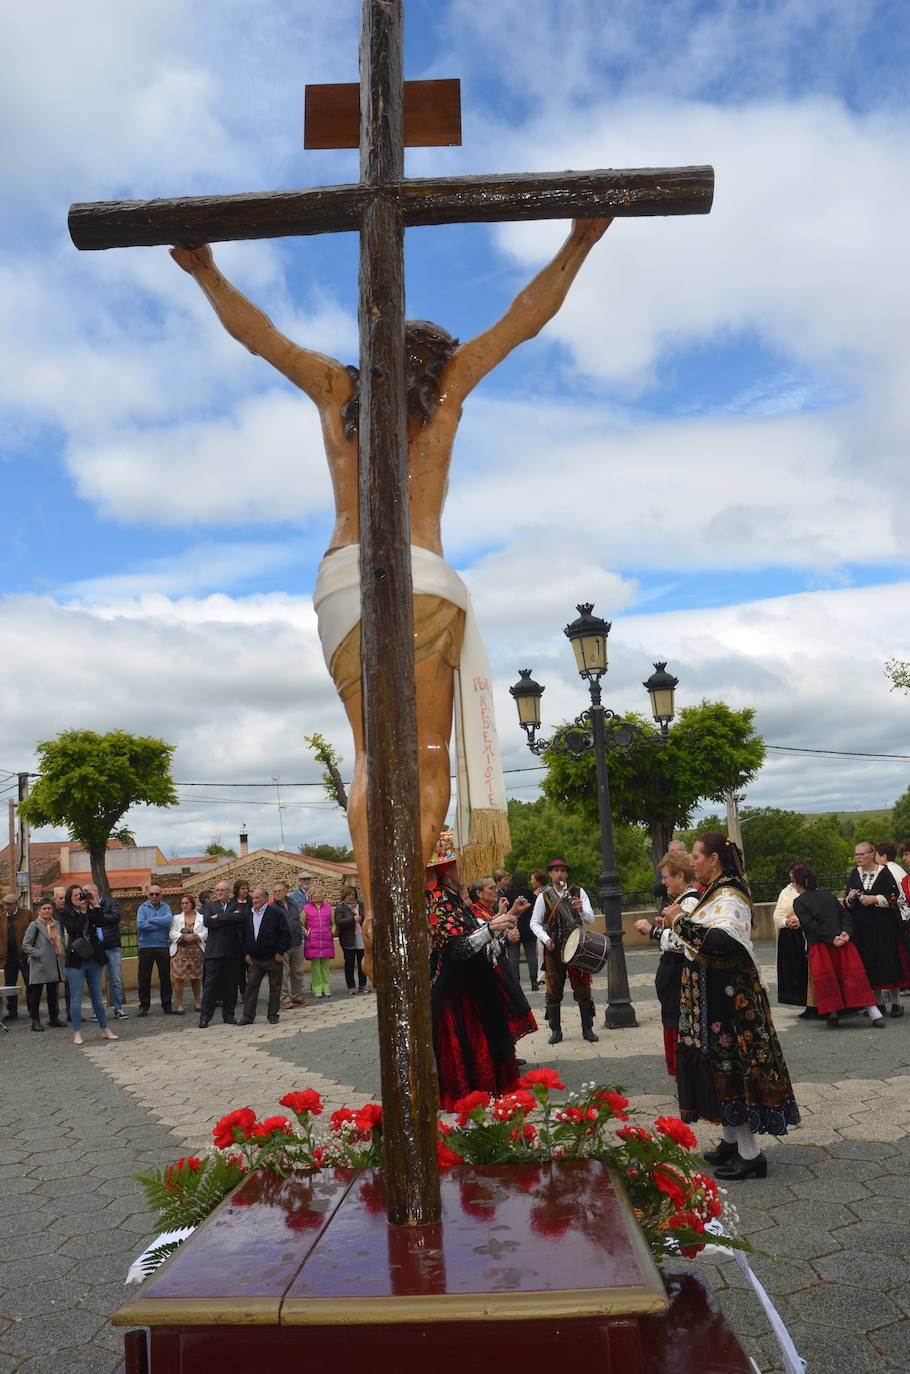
(729, 1064)
(478, 1013)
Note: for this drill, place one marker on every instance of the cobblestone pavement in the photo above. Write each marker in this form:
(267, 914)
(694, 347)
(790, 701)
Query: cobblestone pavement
(834, 1210)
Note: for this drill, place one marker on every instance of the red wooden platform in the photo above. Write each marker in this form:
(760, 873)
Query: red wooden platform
(527, 1261)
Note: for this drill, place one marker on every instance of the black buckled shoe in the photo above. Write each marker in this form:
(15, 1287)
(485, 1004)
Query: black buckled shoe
(721, 1153)
(740, 1168)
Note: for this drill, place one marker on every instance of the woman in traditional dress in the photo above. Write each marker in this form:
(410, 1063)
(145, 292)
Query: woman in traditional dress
(187, 945)
(794, 979)
(478, 1013)
(872, 899)
(837, 970)
(675, 872)
(729, 1064)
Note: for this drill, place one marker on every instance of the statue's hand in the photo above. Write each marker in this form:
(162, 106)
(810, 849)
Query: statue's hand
(590, 229)
(193, 260)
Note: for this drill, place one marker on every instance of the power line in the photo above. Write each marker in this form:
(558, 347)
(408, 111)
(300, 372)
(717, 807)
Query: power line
(834, 753)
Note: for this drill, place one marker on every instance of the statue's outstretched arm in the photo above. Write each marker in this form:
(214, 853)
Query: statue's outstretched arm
(531, 309)
(323, 379)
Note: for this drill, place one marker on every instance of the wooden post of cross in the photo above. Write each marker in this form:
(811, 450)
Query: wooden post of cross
(380, 206)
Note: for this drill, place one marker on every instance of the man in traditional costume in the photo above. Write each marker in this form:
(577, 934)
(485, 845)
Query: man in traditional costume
(729, 1064)
(450, 664)
(872, 897)
(478, 1011)
(557, 908)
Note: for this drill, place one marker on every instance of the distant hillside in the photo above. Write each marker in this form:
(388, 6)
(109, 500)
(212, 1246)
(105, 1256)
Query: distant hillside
(861, 820)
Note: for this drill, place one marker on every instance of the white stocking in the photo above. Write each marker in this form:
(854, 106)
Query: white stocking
(745, 1143)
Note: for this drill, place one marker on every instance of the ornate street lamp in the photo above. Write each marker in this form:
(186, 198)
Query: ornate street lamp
(661, 686)
(599, 729)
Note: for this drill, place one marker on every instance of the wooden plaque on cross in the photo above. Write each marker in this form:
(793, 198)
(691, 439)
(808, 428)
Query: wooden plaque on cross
(380, 206)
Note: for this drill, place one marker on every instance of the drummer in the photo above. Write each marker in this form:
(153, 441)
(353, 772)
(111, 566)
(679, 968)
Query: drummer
(548, 923)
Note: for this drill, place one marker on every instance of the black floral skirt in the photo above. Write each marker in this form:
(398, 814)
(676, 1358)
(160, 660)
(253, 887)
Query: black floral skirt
(729, 1066)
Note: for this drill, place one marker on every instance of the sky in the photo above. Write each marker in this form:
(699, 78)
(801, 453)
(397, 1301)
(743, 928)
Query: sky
(709, 442)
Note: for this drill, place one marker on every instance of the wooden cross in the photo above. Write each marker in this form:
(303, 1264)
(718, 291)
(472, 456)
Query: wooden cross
(380, 206)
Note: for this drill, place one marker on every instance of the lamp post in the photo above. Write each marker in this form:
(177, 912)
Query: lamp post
(599, 729)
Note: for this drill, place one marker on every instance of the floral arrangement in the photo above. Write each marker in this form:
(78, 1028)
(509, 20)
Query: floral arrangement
(673, 1200)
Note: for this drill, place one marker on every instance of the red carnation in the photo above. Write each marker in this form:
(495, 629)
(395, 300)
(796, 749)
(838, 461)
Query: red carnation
(574, 1114)
(369, 1117)
(510, 1104)
(224, 1132)
(545, 1078)
(669, 1182)
(271, 1126)
(677, 1130)
(635, 1133)
(445, 1156)
(298, 1103)
(471, 1103)
(529, 1132)
(343, 1117)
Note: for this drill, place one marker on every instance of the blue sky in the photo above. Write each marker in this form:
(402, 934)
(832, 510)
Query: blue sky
(709, 441)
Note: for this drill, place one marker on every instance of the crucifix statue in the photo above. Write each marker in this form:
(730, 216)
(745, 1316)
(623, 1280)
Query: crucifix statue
(388, 428)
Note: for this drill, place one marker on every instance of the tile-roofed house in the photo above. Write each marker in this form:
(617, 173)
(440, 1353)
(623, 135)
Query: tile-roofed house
(264, 867)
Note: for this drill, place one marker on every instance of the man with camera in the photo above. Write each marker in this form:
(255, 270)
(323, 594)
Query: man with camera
(153, 924)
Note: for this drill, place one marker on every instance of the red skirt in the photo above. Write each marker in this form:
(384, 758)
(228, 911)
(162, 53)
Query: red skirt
(671, 1040)
(840, 979)
(466, 1061)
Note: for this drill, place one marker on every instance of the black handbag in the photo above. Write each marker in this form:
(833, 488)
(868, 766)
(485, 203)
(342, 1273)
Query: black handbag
(81, 945)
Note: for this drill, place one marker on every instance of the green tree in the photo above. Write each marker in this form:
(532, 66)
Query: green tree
(216, 850)
(898, 670)
(87, 782)
(710, 748)
(125, 836)
(332, 853)
(900, 818)
(540, 830)
(775, 839)
(331, 773)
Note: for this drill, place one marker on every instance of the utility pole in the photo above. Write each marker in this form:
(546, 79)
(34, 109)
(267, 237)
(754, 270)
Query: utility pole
(733, 828)
(24, 874)
(11, 853)
(281, 807)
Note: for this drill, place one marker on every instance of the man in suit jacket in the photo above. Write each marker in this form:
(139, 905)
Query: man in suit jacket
(265, 939)
(222, 918)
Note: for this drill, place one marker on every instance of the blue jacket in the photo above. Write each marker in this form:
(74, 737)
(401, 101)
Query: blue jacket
(153, 924)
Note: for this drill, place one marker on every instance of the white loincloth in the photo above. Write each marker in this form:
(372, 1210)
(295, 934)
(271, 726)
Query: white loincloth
(336, 600)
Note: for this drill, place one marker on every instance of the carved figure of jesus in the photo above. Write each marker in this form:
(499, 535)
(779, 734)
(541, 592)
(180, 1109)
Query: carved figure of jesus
(441, 373)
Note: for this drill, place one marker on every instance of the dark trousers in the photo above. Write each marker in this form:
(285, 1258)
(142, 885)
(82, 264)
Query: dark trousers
(220, 983)
(353, 958)
(255, 972)
(557, 972)
(149, 959)
(529, 945)
(13, 967)
(33, 1000)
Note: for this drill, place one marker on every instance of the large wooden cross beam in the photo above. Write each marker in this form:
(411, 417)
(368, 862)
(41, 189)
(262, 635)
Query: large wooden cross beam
(380, 206)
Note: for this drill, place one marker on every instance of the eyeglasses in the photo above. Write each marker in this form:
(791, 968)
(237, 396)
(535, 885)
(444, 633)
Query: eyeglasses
(154, 894)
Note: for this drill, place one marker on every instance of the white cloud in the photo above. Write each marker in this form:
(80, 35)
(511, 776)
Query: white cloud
(236, 683)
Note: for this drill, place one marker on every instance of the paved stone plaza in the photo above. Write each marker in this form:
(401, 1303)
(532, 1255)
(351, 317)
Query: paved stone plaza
(835, 1208)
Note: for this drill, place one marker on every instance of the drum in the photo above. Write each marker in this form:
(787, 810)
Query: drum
(586, 949)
